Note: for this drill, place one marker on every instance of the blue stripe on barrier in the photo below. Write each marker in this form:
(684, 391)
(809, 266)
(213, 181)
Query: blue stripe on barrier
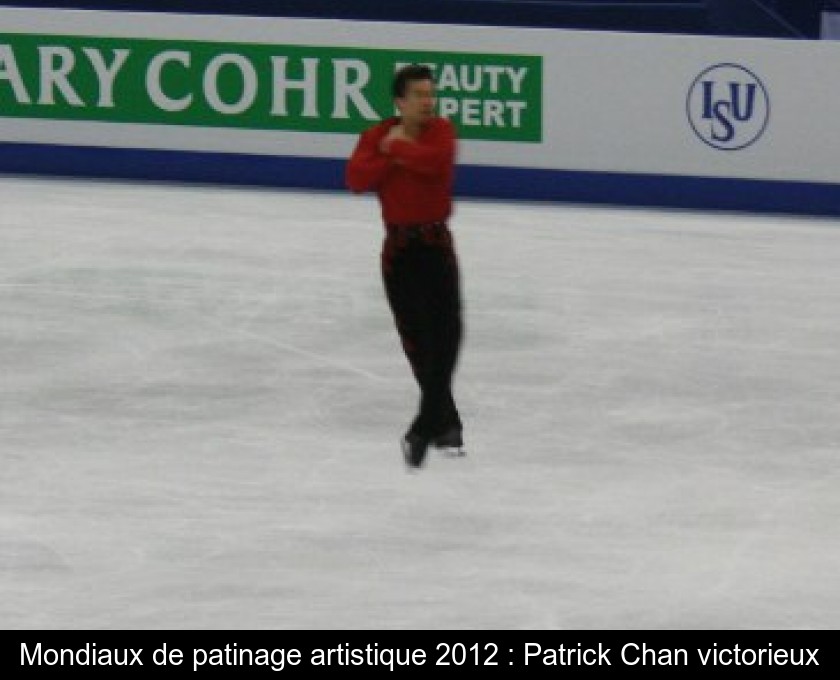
(672, 191)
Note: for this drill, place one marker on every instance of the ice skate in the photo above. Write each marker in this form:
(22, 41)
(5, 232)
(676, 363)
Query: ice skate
(414, 450)
(451, 442)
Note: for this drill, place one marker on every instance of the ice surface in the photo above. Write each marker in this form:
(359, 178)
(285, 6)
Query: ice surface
(201, 395)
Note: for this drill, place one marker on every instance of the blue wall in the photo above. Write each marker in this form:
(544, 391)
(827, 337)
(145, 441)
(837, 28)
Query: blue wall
(766, 18)
(769, 18)
(679, 16)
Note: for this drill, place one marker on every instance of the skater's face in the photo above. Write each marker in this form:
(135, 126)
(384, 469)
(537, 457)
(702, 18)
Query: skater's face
(418, 104)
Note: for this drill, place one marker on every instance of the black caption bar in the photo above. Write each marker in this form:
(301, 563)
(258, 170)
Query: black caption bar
(799, 653)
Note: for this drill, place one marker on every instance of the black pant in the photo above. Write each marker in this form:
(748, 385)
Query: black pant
(420, 271)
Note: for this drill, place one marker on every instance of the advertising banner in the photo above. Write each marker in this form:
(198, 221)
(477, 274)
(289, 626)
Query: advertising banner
(308, 88)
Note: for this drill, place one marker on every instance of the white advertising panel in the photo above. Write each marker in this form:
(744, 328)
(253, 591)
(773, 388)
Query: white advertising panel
(523, 98)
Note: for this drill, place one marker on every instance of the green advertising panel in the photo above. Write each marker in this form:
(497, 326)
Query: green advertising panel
(494, 97)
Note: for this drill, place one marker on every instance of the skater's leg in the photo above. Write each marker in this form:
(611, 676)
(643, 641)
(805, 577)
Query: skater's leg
(438, 412)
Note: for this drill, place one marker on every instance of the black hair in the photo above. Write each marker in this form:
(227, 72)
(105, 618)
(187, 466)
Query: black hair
(408, 74)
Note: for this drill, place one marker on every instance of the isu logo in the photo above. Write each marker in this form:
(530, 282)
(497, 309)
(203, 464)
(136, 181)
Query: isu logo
(728, 107)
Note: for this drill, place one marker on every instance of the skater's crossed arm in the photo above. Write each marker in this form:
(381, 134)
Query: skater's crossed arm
(368, 165)
(432, 154)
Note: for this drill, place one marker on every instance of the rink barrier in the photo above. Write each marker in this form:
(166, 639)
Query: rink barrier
(472, 181)
(617, 118)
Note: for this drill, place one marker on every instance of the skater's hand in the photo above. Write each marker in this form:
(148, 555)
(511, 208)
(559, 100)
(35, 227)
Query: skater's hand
(397, 132)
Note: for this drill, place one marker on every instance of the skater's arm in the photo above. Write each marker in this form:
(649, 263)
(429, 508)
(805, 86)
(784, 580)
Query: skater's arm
(367, 165)
(431, 155)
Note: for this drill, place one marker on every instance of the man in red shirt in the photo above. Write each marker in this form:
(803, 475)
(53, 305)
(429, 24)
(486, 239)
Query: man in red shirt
(409, 162)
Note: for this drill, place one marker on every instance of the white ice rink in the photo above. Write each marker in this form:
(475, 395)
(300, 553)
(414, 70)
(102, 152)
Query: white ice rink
(201, 395)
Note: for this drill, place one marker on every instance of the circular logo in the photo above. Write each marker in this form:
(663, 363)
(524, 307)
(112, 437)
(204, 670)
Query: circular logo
(728, 107)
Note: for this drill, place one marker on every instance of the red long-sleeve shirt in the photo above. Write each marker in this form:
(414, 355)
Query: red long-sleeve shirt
(412, 178)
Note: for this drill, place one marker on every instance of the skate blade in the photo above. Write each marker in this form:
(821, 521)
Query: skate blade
(453, 452)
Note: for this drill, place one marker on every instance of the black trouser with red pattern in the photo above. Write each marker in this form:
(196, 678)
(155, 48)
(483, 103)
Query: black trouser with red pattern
(420, 271)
